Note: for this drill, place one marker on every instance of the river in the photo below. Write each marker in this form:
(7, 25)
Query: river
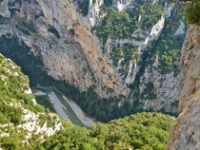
(65, 108)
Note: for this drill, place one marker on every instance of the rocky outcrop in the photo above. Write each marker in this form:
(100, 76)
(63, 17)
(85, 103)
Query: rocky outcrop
(165, 89)
(121, 5)
(184, 134)
(94, 11)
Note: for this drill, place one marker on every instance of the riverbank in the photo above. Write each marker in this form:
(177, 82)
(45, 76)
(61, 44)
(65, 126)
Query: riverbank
(79, 113)
(66, 109)
(58, 106)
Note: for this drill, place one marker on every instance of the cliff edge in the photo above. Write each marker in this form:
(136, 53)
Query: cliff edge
(184, 134)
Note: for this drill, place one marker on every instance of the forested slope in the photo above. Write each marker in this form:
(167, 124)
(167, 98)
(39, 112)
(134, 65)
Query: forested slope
(140, 131)
(25, 124)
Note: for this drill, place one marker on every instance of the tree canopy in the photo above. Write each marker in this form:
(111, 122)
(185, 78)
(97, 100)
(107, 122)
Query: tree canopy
(192, 12)
(141, 131)
(190, 9)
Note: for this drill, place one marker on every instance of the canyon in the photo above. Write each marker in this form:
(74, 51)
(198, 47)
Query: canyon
(67, 42)
(136, 69)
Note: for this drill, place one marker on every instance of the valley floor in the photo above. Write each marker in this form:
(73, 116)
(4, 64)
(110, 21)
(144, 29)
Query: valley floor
(67, 109)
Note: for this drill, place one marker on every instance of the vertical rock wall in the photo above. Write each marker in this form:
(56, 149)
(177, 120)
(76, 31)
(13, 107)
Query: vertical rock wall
(185, 134)
(65, 40)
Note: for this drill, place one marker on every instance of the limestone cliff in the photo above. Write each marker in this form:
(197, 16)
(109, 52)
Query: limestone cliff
(64, 41)
(151, 77)
(67, 42)
(185, 133)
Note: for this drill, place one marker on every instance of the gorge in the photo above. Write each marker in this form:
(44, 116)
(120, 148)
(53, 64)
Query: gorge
(113, 59)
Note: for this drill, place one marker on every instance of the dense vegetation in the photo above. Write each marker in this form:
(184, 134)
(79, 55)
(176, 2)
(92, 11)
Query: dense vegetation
(191, 12)
(168, 51)
(140, 132)
(14, 99)
(44, 101)
(115, 25)
(10, 81)
(121, 25)
(127, 52)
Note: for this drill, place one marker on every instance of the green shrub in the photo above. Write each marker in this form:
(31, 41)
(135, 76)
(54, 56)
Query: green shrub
(44, 101)
(10, 113)
(192, 12)
(127, 52)
(120, 25)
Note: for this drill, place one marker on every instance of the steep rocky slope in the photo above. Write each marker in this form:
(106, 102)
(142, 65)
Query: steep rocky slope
(185, 133)
(133, 65)
(22, 121)
(63, 39)
(152, 77)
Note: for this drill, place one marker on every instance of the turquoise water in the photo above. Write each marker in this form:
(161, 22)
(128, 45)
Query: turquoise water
(42, 90)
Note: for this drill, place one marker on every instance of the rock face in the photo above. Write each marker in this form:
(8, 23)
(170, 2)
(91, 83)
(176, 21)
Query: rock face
(165, 89)
(94, 11)
(121, 5)
(185, 133)
(65, 41)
